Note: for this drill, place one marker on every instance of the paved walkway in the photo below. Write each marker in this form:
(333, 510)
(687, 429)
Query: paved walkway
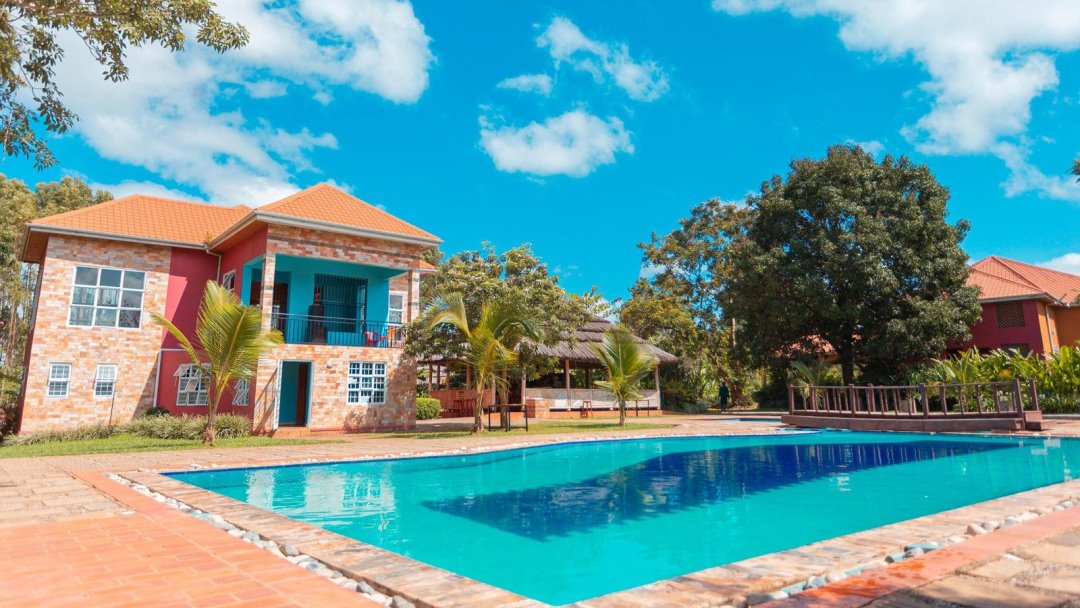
(153, 556)
(1035, 564)
(66, 543)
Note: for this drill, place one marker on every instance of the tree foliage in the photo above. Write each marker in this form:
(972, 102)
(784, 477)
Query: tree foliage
(228, 342)
(625, 363)
(856, 255)
(19, 205)
(490, 343)
(30, 98)
(515, 278)
(680, 309)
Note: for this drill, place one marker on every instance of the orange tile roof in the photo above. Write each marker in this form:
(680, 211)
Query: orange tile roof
(325, 203)
(139, 216)
(1000, 278)
(149, 217)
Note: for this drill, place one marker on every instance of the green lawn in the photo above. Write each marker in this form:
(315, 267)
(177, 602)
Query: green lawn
(136, 443)
(539, 428)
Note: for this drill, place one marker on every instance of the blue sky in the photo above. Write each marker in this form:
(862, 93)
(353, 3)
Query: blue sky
(583, 127)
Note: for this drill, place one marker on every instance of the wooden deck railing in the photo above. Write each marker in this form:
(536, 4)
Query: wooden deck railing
(1008, 399)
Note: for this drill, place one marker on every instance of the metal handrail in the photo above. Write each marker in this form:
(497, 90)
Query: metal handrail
(338, 331)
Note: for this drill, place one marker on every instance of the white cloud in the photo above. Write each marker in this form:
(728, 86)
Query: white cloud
(642, 80)
(574, 144)
(1070, 262)
(265, 89)
(650, 270)
(528, 83)
(128, 186)
(987, 60)
(166, 117)
(1025, 177)
(872, 147)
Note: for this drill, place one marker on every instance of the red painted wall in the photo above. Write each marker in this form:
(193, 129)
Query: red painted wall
(189, 270)
(986, 335)
(171, 360)
(243, 252)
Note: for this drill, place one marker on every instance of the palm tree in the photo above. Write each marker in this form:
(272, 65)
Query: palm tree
(229, 337)
(490, 343)
(626, 362)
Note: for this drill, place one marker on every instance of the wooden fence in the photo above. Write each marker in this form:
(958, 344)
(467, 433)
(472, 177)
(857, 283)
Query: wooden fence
(1008, 399)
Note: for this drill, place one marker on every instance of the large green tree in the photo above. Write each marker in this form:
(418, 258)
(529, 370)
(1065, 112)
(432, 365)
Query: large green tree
(516, 278)
(855, 254)
(679, 307)
(18, 205)
(30, 98)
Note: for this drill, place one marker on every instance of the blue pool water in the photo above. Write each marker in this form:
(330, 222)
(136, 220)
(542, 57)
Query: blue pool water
(567, 522)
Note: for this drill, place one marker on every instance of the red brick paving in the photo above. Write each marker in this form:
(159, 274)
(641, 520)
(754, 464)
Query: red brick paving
(909, 575)
(156, 556)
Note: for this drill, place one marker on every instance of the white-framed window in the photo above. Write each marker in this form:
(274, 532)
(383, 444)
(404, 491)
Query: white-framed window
(367, 382)
(105, 381)
(190, 388)
(59, 379)
(107, 297)
(228, 280)
(396, 307)
(241, 391)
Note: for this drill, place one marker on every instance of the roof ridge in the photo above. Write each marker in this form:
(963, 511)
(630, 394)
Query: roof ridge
(1008, 280)
(1007, 264)
(127, 198)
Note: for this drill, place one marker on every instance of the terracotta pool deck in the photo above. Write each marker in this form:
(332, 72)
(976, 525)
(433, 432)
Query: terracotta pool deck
(70, 542)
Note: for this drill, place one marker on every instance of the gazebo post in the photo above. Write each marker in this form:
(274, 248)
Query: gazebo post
(656, 382)
(566, 380)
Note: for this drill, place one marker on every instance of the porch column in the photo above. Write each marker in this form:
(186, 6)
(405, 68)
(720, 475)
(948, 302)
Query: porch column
(566, 382)
(266, 300)
(413, 295)
(656, 383)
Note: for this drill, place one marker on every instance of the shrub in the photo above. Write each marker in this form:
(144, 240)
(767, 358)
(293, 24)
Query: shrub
(156, 411)
(189, 427)
(89, 431)
(427, 408)
(229, 426)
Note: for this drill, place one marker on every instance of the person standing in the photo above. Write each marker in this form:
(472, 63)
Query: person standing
(725, 394)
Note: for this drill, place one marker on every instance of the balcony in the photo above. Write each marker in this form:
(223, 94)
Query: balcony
(338, 331)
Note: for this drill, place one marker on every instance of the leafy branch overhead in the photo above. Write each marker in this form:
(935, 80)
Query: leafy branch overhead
(30, 50)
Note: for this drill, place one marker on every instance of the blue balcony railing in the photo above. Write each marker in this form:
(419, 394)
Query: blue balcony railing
(337, 331)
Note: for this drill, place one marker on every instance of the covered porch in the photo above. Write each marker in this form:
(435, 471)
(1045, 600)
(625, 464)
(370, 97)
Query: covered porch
(331, 302)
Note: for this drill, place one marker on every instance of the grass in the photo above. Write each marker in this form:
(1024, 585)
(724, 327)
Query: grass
(135, 443)
(538, 428)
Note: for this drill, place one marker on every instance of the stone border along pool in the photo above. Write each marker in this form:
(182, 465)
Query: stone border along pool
(779, 575)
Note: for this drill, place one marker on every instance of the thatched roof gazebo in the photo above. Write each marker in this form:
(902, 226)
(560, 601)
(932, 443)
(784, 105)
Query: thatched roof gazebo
(577, 352)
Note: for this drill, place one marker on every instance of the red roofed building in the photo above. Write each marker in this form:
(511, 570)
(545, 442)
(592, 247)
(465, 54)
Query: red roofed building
(1027, 307)
(337, 276)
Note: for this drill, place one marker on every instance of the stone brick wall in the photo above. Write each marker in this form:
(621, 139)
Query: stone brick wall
(329, 409)
(330, 364)
(134, 351)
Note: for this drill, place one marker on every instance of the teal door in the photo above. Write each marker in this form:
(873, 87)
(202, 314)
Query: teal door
(295, 393)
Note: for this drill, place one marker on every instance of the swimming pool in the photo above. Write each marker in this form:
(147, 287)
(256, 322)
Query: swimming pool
(567, 522)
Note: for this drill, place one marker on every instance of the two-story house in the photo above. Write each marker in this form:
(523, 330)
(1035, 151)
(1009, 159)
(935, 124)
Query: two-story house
(337, 276)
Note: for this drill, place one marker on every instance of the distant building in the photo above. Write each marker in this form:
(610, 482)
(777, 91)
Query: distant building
(337, 276)
(1026, 307)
